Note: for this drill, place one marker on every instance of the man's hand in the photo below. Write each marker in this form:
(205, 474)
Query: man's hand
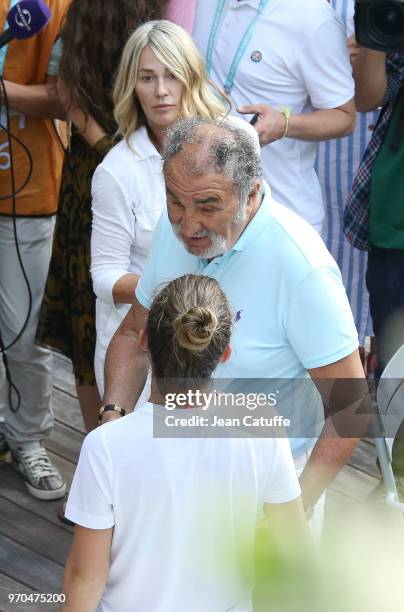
(316, 126)
(271, 123)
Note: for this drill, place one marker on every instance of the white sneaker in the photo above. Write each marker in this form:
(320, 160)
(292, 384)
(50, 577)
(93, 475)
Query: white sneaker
(42, 479)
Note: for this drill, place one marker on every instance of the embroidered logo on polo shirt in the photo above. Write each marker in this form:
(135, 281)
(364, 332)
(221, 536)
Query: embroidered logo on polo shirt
(256, 56)
(238, 315)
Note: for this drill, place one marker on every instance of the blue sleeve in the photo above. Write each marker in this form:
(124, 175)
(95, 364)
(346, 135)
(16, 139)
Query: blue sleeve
(54, 60)
(318, 321)
(147, 284)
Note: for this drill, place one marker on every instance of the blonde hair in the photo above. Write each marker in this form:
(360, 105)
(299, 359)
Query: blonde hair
(174, 47)
(188, 328)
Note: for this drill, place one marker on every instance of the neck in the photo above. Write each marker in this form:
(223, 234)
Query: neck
(156, 135)
(193, 396)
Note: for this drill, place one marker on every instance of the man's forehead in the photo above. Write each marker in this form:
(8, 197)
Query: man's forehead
(179, 181)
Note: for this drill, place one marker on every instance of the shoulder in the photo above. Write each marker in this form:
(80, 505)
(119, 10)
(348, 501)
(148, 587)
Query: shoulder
(308, 16)
(121, 433)
(299, 238)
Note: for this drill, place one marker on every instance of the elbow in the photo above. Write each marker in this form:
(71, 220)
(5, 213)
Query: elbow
(349, 125)
(365, 105)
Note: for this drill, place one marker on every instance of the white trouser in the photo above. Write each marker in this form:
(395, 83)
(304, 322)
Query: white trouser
(316, 521)
(30, 365)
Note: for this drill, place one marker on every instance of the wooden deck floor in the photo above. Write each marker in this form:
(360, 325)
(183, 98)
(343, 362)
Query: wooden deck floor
(33, 541)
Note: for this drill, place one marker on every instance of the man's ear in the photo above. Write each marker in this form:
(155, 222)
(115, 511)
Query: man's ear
(253, 193)
(143, 340)
(226, 354)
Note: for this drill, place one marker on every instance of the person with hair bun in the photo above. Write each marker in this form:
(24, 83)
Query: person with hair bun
(169, 523)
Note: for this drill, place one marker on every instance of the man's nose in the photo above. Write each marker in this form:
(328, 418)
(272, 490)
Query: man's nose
(189, 225)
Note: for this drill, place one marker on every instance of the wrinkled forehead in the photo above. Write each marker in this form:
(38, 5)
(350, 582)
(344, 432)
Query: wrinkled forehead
(184, 178)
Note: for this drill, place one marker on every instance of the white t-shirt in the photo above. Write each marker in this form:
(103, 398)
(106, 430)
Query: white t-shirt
(184, 512)
(303, 64)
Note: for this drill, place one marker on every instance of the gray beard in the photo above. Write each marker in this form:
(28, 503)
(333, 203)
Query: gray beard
(218, 243)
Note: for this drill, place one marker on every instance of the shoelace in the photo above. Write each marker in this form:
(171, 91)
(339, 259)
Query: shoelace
(37, 463)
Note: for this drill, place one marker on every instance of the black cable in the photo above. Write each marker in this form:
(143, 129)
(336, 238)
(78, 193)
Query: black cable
(3, 348)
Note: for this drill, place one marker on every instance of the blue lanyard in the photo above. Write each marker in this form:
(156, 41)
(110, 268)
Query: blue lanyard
(228, 86)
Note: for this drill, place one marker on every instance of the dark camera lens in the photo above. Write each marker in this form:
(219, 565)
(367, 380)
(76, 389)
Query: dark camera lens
(387, 18)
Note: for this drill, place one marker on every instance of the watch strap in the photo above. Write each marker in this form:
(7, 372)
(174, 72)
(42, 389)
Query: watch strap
(112, 408)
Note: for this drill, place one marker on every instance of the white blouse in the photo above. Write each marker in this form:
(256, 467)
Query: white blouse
(128, 194)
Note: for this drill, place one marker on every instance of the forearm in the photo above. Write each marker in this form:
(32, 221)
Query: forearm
(321, 125)
(123, 291)
(328, 457)
(82, 593)
(35, 100)
(370, 79)
(126, 367)
(88, 127)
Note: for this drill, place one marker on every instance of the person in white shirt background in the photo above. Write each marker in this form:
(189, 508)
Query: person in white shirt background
(288, 61)
(161, 77)
(179, 533)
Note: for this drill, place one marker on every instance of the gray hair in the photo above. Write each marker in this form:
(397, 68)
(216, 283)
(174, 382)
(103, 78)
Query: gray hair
(225, 148)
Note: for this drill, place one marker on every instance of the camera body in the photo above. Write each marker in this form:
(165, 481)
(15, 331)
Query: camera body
(379, 24)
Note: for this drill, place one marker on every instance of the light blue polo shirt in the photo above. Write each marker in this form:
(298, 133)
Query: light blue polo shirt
(290, 308)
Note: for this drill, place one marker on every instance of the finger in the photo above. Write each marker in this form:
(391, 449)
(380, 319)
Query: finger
(250, 109)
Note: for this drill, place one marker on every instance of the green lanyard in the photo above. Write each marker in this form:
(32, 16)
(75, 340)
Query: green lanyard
(228, 86)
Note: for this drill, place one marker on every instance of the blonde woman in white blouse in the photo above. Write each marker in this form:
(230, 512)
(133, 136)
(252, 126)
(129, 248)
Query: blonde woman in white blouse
(161, 78)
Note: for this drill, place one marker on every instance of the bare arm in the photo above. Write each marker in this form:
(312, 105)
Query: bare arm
(36, 100)
(316, 126)
(126, 363)
(344, 389)
(284, 556)
(287, 524)
(88, 127)
(86, 569)
(124, 289)
(369, 71)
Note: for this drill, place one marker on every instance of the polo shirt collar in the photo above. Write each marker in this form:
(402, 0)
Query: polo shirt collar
(140, 142)
(257, 224)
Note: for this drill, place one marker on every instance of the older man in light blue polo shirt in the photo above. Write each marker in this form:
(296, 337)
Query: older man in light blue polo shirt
(292, 316)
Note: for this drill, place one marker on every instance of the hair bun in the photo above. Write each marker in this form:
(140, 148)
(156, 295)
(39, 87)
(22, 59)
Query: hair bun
(195, 328)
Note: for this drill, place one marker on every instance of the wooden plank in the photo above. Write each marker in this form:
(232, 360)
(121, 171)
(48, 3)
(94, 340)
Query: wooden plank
(67, 410)
(364, 459)
(353, 484)
(13, 489)
(29, 567)
(8, 586)
(65, 442)
(38, 534)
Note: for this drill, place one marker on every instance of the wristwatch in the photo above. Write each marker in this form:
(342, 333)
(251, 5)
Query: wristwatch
(113, 408)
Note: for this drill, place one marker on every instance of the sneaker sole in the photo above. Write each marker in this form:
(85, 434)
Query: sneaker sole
(44, 494)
